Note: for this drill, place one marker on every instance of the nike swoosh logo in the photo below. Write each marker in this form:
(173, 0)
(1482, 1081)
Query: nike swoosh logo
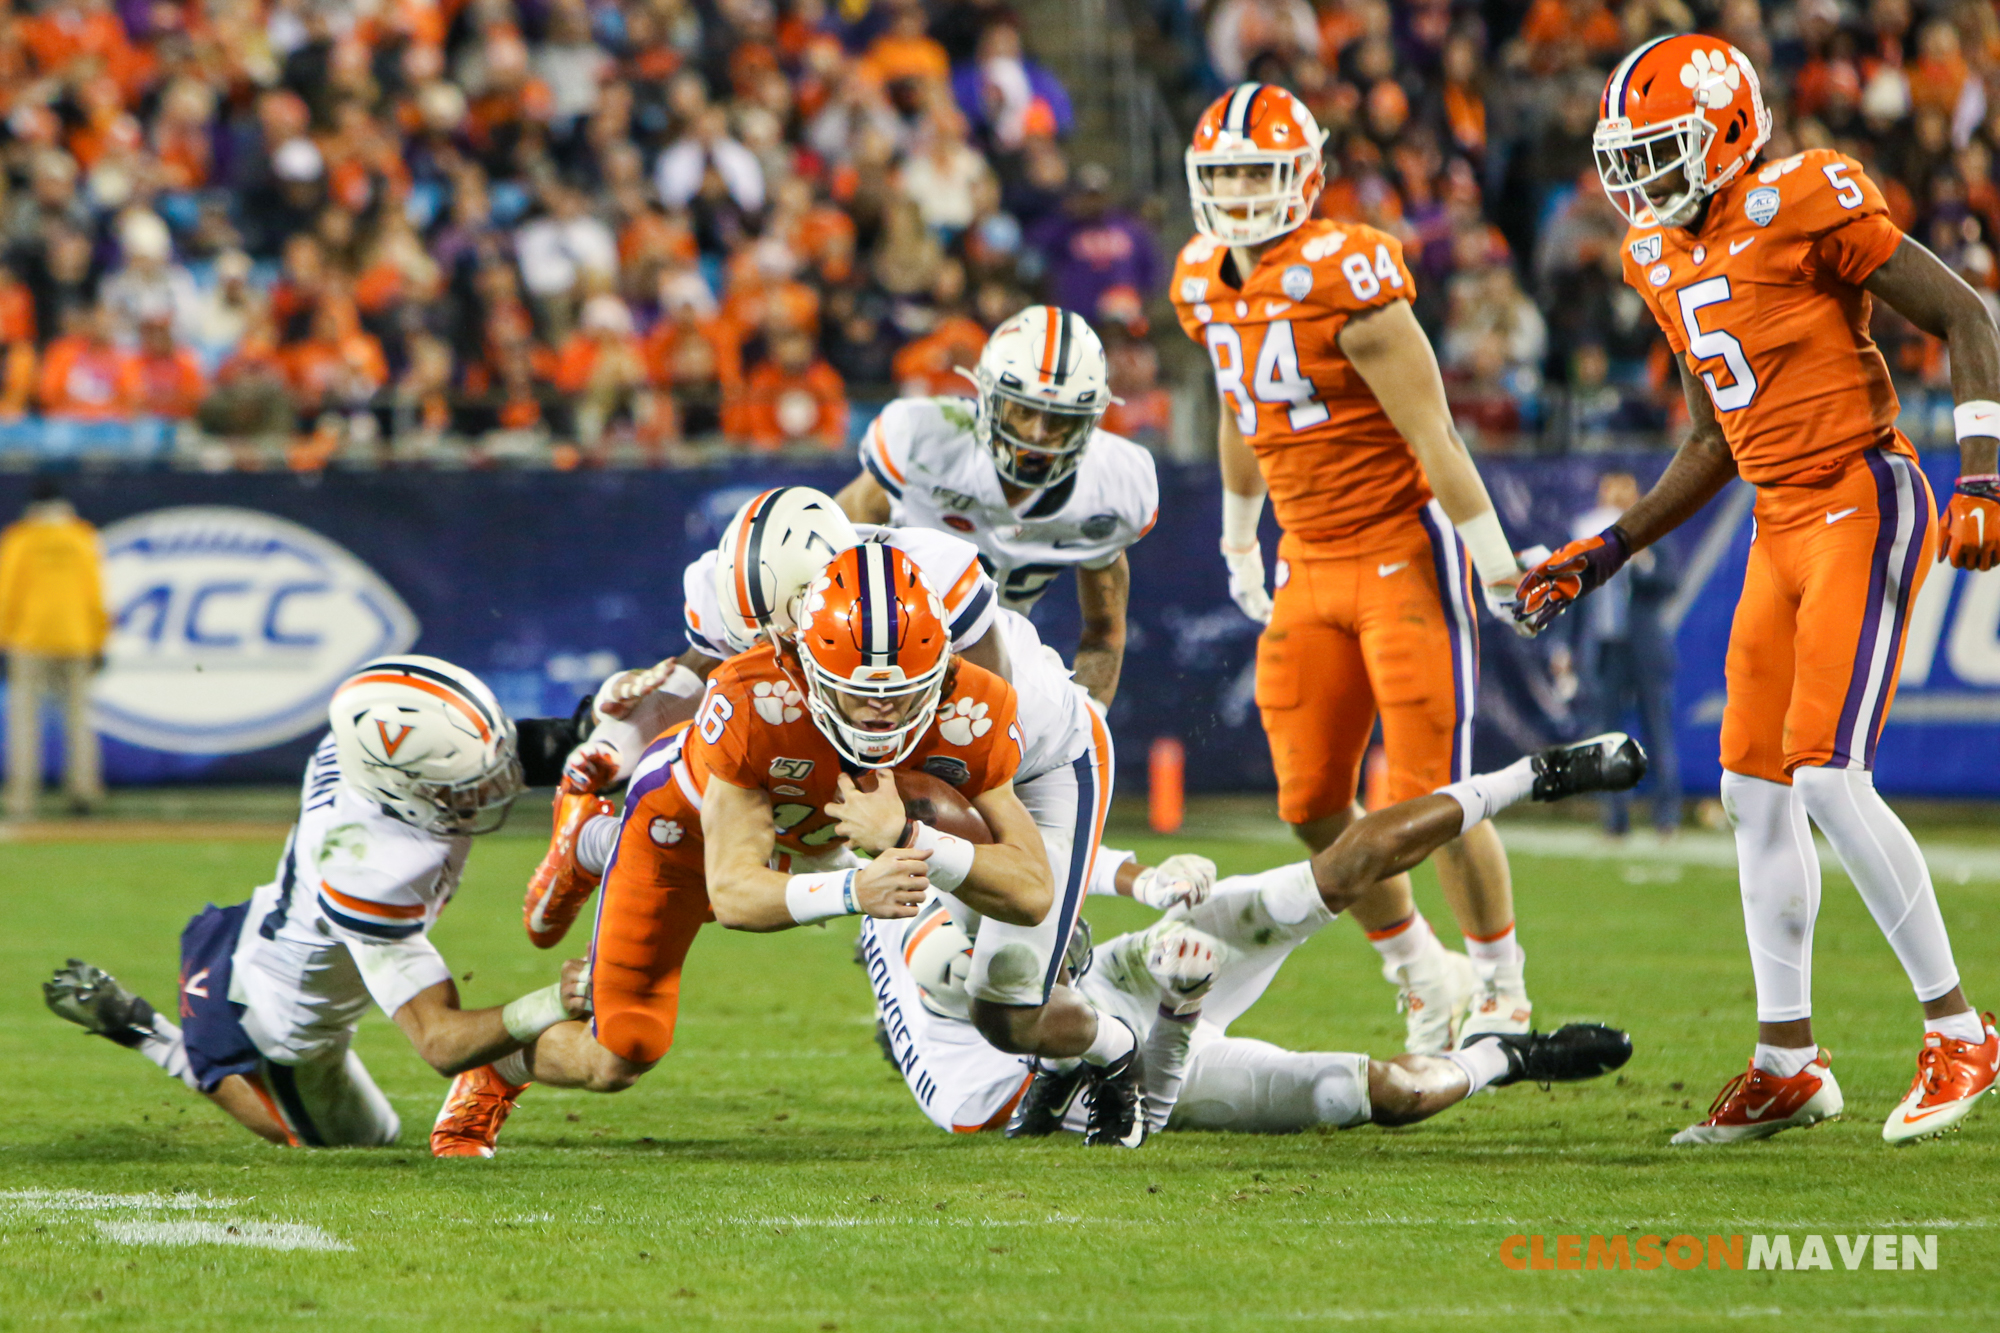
(1758, 1114)
(1386, 570)
(1738, 247)
(1835, 515)
(1912, 1117)
(1272, 308)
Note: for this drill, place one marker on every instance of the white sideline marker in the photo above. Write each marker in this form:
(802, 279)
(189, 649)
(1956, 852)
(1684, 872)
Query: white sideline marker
(258, 1235)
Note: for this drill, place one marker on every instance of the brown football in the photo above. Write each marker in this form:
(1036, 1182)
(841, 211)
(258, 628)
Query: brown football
(937, 803)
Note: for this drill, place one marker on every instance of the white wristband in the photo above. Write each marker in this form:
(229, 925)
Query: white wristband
(1981, 417)
(682, 683)
(534, 1013)
(1240, 514)
(951, 856)
(1491, 554)
(811, 898)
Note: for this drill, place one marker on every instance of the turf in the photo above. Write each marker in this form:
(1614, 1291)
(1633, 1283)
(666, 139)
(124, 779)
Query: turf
(773, 1174)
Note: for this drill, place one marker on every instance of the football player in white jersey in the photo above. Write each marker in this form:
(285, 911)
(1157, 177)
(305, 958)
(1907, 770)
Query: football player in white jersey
(420, 759)
(1024, 474)
(1181, 983)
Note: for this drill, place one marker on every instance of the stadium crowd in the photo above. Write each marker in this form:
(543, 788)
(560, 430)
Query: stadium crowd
(574, 230)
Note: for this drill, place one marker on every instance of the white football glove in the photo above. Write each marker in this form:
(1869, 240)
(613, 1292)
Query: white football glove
(1501, 600)
(591, 766)
(1182, 880)
(1182, 963)
(1246, 581)
(622, 690)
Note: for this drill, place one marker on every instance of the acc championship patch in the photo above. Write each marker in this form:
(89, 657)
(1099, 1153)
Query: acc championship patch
(1646, 250)
(1296, 282)
(1658, 277)
(944, 768)
(1761, 205)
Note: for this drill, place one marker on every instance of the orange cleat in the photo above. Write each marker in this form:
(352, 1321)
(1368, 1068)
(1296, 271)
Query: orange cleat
(560, 887)
(468, 1123)
(1951, 1075)
(1758, 1104)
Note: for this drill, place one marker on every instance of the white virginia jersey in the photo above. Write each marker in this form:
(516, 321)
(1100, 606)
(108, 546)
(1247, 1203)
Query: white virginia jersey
(346, 919)
(1053, 710)
(950, 565)
(924, 454)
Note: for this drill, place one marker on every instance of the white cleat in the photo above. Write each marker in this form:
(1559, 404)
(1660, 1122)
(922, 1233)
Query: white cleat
(1502, 1005)
(1434, 993)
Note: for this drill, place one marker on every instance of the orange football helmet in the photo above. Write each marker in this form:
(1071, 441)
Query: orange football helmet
(1255, 125)
(1688, 103)
(870, 629)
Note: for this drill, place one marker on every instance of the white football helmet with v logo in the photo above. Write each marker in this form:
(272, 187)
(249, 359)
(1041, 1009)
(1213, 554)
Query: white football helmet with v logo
(769, 554)
(428, 742)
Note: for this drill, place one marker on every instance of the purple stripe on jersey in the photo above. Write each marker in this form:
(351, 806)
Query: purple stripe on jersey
(1888, 518)
(1463, 631)
(1912, 562)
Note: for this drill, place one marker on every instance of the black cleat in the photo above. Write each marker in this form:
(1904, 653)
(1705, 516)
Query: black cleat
(91, 998)
(1570, 1054)
(1116, 1104)
(887, 1047)
(1611, 762)
(1042, 1107)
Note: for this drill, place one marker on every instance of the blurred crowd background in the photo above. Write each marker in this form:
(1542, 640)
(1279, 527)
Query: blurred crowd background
(310, 233)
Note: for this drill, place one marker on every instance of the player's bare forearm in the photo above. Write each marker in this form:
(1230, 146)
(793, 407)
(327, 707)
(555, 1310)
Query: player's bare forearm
(450, 1039)
(1388, 349)
(990, 653)
(1240, 474)
(1922, 289)
(1010, 879)
(1701, 467)
(738, 837)
(863, 500)
(1382, 844)
(1102, 596)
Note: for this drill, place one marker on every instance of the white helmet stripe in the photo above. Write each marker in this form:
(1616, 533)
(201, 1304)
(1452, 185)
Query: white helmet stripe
(1237, 119)
(878, 602)
(1614, 96)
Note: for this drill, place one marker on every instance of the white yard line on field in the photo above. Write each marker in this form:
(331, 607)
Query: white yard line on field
(1952, 863)
(259, 1235)
(85, 1201)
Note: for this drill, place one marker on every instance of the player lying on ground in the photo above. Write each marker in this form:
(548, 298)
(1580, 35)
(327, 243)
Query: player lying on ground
(762, 771)
(741, 597)
(419, 760)
(1184, 981)
(1761, 276)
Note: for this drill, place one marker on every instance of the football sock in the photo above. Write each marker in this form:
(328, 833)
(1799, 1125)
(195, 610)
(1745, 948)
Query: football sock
(1784, 1061)
(514, 1068)
(1887, 867)
(595, 842)
(1959, 1027)
(1104, 873)
(1114, 1041)
(1404, 942)
(1483, 1061)
(1778, 871)
(1484, 795)
(168, 1049)
(1492, 952)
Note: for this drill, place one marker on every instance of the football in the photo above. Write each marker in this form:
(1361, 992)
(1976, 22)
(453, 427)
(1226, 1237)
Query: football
(937, 803)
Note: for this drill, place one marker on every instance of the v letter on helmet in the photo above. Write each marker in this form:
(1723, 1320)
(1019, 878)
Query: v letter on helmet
(1254, 169)
(1043, 385)
(770, 553)
(1681, 118)
(428, 742)
(875, 651)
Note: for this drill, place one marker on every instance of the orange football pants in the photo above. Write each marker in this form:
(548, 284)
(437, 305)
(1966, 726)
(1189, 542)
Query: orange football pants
(1378, 622)
(654, 900)
(1817, 641)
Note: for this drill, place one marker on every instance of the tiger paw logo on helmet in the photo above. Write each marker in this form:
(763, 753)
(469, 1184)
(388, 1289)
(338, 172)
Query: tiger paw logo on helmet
(777, 703)
(962, 721)
(1712, 77)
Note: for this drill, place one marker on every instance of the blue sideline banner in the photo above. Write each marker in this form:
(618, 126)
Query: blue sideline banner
(240, 599)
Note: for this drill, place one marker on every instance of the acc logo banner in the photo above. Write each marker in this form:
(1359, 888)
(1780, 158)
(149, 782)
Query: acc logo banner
(230, 629)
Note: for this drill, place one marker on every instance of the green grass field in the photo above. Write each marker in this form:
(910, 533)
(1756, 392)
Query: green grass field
(773, 1173)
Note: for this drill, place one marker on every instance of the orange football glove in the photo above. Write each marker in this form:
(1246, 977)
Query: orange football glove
(1971, 538)
(1549, 589)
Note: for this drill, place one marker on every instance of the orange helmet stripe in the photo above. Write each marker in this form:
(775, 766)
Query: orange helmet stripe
(451, 697)
(746, 600)
(1050, 362)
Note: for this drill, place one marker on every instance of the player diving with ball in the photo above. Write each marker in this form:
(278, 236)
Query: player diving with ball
(419, 760)
(1181, 983)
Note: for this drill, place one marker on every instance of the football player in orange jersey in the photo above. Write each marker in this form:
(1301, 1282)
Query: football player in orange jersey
(1760, 275)
(1333, 405)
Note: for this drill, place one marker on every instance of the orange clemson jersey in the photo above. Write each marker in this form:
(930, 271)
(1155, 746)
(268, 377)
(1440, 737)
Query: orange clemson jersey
(753, 730)
(1331, 458)
(1765, 305)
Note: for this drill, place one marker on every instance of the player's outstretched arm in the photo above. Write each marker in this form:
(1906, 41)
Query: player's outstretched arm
(738, 837)
(863, 500)
(1918, 286)
(1102, 596)
(1007, 879)
(633, 709)
(452, 1040)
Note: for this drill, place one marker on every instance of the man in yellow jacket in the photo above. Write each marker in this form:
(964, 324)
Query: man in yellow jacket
(52, 628)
